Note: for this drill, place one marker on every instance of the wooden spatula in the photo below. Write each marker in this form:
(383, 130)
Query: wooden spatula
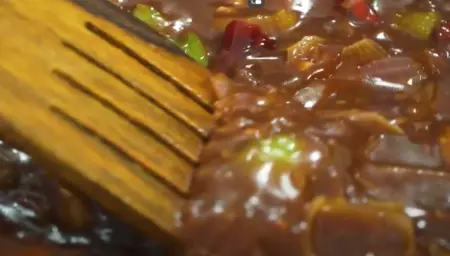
(121, 117)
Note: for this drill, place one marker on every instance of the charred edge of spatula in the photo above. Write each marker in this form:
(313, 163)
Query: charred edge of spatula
(124, 20)
(130, 85)
(74, 84)
(136, 56)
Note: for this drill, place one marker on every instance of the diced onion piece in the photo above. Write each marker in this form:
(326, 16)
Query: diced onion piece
(363, 52)
(280, 21)
(304, 65)
(222, 85)
(368, 120)
(285, 19)
(304, 47)
(338, 224)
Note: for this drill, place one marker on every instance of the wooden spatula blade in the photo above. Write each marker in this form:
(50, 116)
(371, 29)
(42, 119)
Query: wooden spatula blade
(119, 118)
(34, 63)
(67, 20)
(27, 120)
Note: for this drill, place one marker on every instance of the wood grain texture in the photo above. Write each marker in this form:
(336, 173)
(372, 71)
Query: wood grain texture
(27, 120)
(42, 60)
(84, 98)
(69, 23)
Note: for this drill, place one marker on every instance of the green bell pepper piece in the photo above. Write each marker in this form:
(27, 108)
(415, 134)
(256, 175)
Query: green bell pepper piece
(280, 148)
(190, 44)
(193, 47)
(150, 16)
(418, 24)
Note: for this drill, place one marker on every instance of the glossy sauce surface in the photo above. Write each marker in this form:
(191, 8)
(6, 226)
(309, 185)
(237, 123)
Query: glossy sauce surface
(334, 133)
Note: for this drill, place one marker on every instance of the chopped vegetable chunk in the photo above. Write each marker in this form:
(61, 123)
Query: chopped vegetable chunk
(150, 16)
(191, 44)
(362, 11)
(418, 24)
(305, 48)
(280, 148)
(363, 51)
(193, 47)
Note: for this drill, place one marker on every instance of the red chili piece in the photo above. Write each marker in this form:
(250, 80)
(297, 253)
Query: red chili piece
(240, 36)
(362, 11)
